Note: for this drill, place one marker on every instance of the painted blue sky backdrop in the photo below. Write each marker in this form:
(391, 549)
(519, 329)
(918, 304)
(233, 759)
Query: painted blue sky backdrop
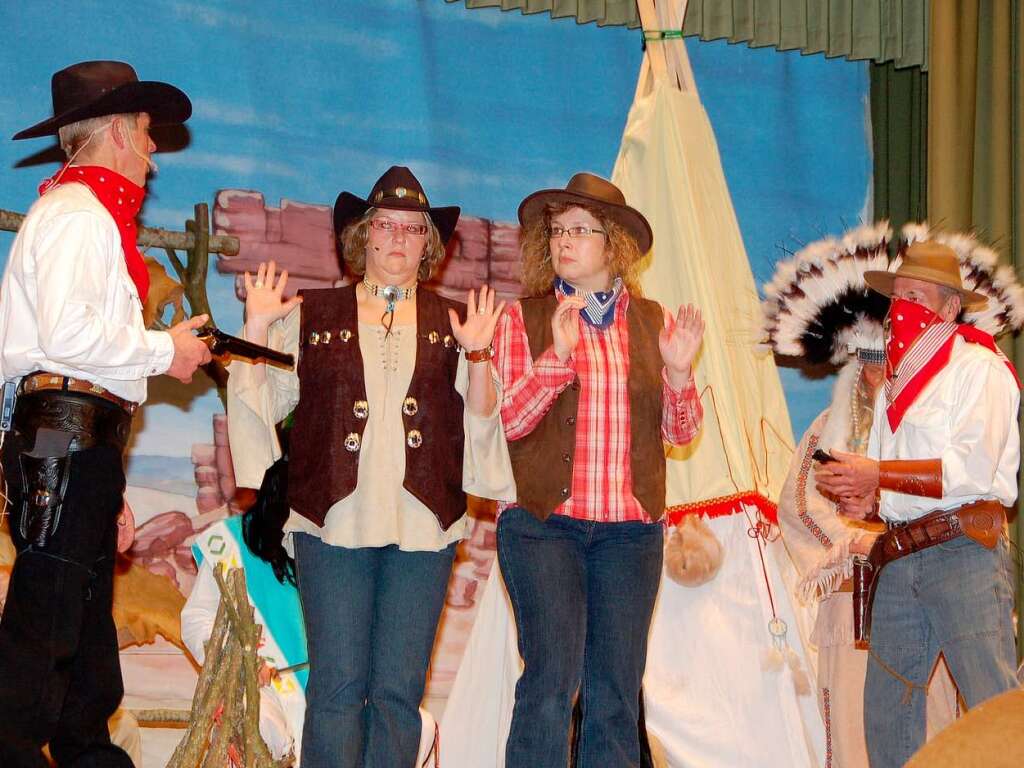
(485, 106)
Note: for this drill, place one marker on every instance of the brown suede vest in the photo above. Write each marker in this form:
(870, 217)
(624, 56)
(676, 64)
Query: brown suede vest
(332, 413)
(542, 461)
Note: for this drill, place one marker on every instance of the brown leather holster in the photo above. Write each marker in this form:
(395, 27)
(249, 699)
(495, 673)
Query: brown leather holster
(981, 521)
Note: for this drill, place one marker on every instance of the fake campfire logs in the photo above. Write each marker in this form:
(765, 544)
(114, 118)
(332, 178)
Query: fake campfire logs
(223, 728)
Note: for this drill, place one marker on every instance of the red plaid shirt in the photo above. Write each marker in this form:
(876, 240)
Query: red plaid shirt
(602, 476)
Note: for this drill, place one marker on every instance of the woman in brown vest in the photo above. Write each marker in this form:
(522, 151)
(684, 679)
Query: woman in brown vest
(594, 379)
(381, 451)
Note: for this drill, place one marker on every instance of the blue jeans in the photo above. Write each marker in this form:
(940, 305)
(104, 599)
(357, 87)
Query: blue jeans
(371, 616)
(583, 594)
(956, 598)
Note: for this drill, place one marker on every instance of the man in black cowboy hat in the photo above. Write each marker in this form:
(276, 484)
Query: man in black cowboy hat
(74, 356)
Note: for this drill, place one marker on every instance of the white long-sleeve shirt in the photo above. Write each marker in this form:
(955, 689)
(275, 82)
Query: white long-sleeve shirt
(68, 305)
(966, 416)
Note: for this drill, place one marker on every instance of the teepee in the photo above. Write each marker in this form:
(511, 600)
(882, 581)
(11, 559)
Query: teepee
(728, 670)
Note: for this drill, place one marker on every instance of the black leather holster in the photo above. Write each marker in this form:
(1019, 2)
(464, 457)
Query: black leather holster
(57, 424)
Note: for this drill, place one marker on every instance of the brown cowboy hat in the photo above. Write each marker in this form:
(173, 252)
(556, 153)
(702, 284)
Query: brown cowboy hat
(397, 190)
(931, 262)
(98, 88)
(593, 191)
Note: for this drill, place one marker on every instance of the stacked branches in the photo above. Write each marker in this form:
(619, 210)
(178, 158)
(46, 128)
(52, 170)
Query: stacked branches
(223, 727)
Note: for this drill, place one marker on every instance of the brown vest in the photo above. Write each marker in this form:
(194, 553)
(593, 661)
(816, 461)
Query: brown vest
(331, 415)
(542, 460)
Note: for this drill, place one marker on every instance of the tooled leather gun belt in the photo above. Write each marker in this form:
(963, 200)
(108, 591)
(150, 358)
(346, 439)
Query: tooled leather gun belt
(981, 521)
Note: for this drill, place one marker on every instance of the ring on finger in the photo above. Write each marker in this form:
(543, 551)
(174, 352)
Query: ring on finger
(258, 284)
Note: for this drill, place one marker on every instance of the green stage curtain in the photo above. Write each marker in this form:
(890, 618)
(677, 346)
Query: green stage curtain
(975, 144)
(604, 12)
(879, 30)
(899, 133)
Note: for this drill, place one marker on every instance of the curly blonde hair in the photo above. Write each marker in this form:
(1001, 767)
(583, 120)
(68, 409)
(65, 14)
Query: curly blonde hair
(356, 235)
(538, 272)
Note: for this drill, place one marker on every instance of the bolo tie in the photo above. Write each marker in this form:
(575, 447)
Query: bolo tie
(391, 294)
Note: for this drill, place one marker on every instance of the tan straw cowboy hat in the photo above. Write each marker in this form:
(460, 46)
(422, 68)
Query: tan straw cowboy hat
(931, 262)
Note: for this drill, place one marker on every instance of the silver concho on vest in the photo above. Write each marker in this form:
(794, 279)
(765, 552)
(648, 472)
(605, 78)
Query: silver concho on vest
(360, 409)
(414, 439)
(410, 407)
(352, 442)
(325, 337)
(447, 340)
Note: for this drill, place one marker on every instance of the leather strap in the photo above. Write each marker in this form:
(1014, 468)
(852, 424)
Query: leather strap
(89, 421)
(902, 539)
(44, 382)
(479, 355)
(981, 521)
(914, 477)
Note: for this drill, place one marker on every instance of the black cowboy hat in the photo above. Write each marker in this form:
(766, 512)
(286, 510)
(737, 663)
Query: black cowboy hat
(596, 192)
(97, 88)
(397, 190)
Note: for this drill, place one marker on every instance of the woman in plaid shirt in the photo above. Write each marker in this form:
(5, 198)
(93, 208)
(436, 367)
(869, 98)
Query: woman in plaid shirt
(594, 379)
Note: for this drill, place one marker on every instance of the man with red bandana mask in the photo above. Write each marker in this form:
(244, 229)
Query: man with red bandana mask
(940, 470)
(75, 356)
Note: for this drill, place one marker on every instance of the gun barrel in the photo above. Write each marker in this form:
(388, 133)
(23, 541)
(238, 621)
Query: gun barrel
(222, 344)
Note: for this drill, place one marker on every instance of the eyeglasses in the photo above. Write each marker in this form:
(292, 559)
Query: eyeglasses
(555, 231)
(387, 225)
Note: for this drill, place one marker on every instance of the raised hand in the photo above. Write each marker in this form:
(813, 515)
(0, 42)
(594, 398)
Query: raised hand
(565, 326)
(679, 341)
(477, 332)
(263, 297)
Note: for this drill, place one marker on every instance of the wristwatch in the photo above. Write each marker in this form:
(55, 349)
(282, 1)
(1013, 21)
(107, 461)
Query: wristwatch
(480, 355)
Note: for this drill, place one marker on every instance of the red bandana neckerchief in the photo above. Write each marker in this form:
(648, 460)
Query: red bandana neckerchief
(919, 346)
(123, 200)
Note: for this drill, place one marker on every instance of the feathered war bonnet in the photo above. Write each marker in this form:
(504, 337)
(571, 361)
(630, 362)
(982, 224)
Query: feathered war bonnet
(819, 308)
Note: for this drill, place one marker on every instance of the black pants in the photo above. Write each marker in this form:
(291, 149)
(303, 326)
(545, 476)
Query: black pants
(60, 676)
